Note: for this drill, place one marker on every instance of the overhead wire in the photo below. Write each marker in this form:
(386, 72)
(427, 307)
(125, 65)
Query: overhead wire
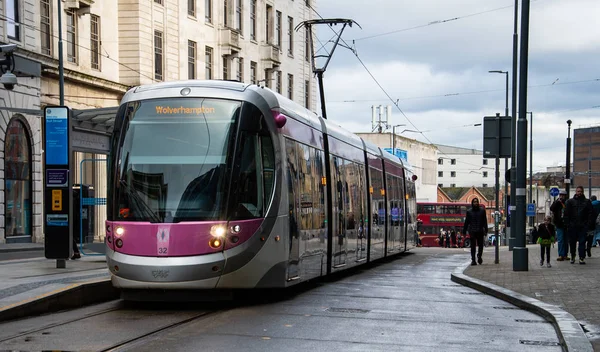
(353, 50)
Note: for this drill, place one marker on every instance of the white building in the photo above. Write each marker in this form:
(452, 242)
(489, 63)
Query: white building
(111, 45)
(463, 167)
(421, 156)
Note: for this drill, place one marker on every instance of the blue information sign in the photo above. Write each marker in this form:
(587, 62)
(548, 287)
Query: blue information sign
(554, 191)
(530, 209)
(57, 142)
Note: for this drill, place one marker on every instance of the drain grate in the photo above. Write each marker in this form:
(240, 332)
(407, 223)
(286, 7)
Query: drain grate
(513, 308)
(347, 310)
(539, 343)
(530, 321)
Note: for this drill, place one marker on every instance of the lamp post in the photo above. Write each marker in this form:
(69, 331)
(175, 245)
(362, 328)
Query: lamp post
(394, 138)
(61, 74)
(513, 135)
(532, 219)
(568, 167)
(505, 159)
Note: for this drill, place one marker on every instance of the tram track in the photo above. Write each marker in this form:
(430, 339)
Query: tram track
(140, 340)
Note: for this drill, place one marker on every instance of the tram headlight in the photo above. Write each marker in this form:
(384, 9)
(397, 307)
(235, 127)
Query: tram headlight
(215, 243)
(119, 231)
(218, 231)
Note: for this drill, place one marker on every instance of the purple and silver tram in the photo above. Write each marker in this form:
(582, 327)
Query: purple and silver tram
(217, 184)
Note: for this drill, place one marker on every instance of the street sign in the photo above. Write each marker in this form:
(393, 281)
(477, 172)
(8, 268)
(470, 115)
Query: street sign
(554, 191)
(530, 209)
(497, 136)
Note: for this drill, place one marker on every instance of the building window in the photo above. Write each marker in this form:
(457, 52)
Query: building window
(485, 161)
(71, 37)
(253, 72)
(453, 185)
(160, 2)
(225, 67)
(440, 161)
(17, 181)
(95, 41)
(440, 173)
(192, 54)
(46, 27)
(307, 94)
(290, 89)
(13, 21)
(239, 15)
(269, 24)
(452, 173)
(192, 8)
(440, 185)
(225, 13)
(208, 58)
(208, 11)
(484, 185)
(291, 36)
(278, 29)
(278, 82)
(252, 19)
(452, 161)
(240, 70)
(158, 56)
(485, 174)
(268, 78)
(307, 46)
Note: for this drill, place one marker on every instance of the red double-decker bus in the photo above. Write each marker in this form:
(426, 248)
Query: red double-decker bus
(435, 217)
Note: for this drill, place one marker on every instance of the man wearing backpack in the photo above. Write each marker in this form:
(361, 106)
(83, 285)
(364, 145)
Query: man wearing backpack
(578, 221)
(596, 234)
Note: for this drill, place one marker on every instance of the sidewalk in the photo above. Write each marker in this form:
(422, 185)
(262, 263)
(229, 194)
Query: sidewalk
(35, 286)
(572, 288)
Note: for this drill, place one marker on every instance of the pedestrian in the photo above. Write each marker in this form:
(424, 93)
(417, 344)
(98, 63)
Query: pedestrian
(476, 226)
(453, 237)
(547, 234)
(578, 221)
(596, 232)
(76, 253)
(447, 239)
(558, 209)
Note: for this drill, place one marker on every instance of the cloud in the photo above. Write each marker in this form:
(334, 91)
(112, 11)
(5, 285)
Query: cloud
(438, 74)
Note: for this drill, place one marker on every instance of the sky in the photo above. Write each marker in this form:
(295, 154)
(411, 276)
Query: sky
(432, 58)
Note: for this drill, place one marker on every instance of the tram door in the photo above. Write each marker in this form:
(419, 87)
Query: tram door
(340, 201)
(293, 271)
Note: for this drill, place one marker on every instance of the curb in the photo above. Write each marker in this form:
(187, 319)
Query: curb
(73, 296)
(570, 333)
(21, 249)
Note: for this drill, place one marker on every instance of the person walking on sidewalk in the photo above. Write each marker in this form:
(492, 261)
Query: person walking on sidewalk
(476, 226)
(546, 237)
(595, 233)
(578, 220)
(558, 208)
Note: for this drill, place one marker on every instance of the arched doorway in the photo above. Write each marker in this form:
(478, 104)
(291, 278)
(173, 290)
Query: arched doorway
(17, 183)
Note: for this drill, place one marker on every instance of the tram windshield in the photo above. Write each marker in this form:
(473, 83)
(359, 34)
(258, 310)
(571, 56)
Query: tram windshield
(173, 160)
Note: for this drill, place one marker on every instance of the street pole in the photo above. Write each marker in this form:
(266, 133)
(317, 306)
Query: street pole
(497, 212)
(513, 135)
(568, 167)
(520, 253)
(61, 73)
(532, 219)
(506, 165)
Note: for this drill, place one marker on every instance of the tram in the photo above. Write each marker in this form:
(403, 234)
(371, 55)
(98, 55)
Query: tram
(224, 185)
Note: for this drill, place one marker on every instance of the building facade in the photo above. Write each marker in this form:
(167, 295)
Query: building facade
(463, 167)
(421, 158)
(112, 45)
(586, 160)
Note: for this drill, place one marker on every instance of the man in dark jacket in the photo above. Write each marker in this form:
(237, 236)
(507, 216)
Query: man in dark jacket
(476, 226)
(557, 209)
(578, 220)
